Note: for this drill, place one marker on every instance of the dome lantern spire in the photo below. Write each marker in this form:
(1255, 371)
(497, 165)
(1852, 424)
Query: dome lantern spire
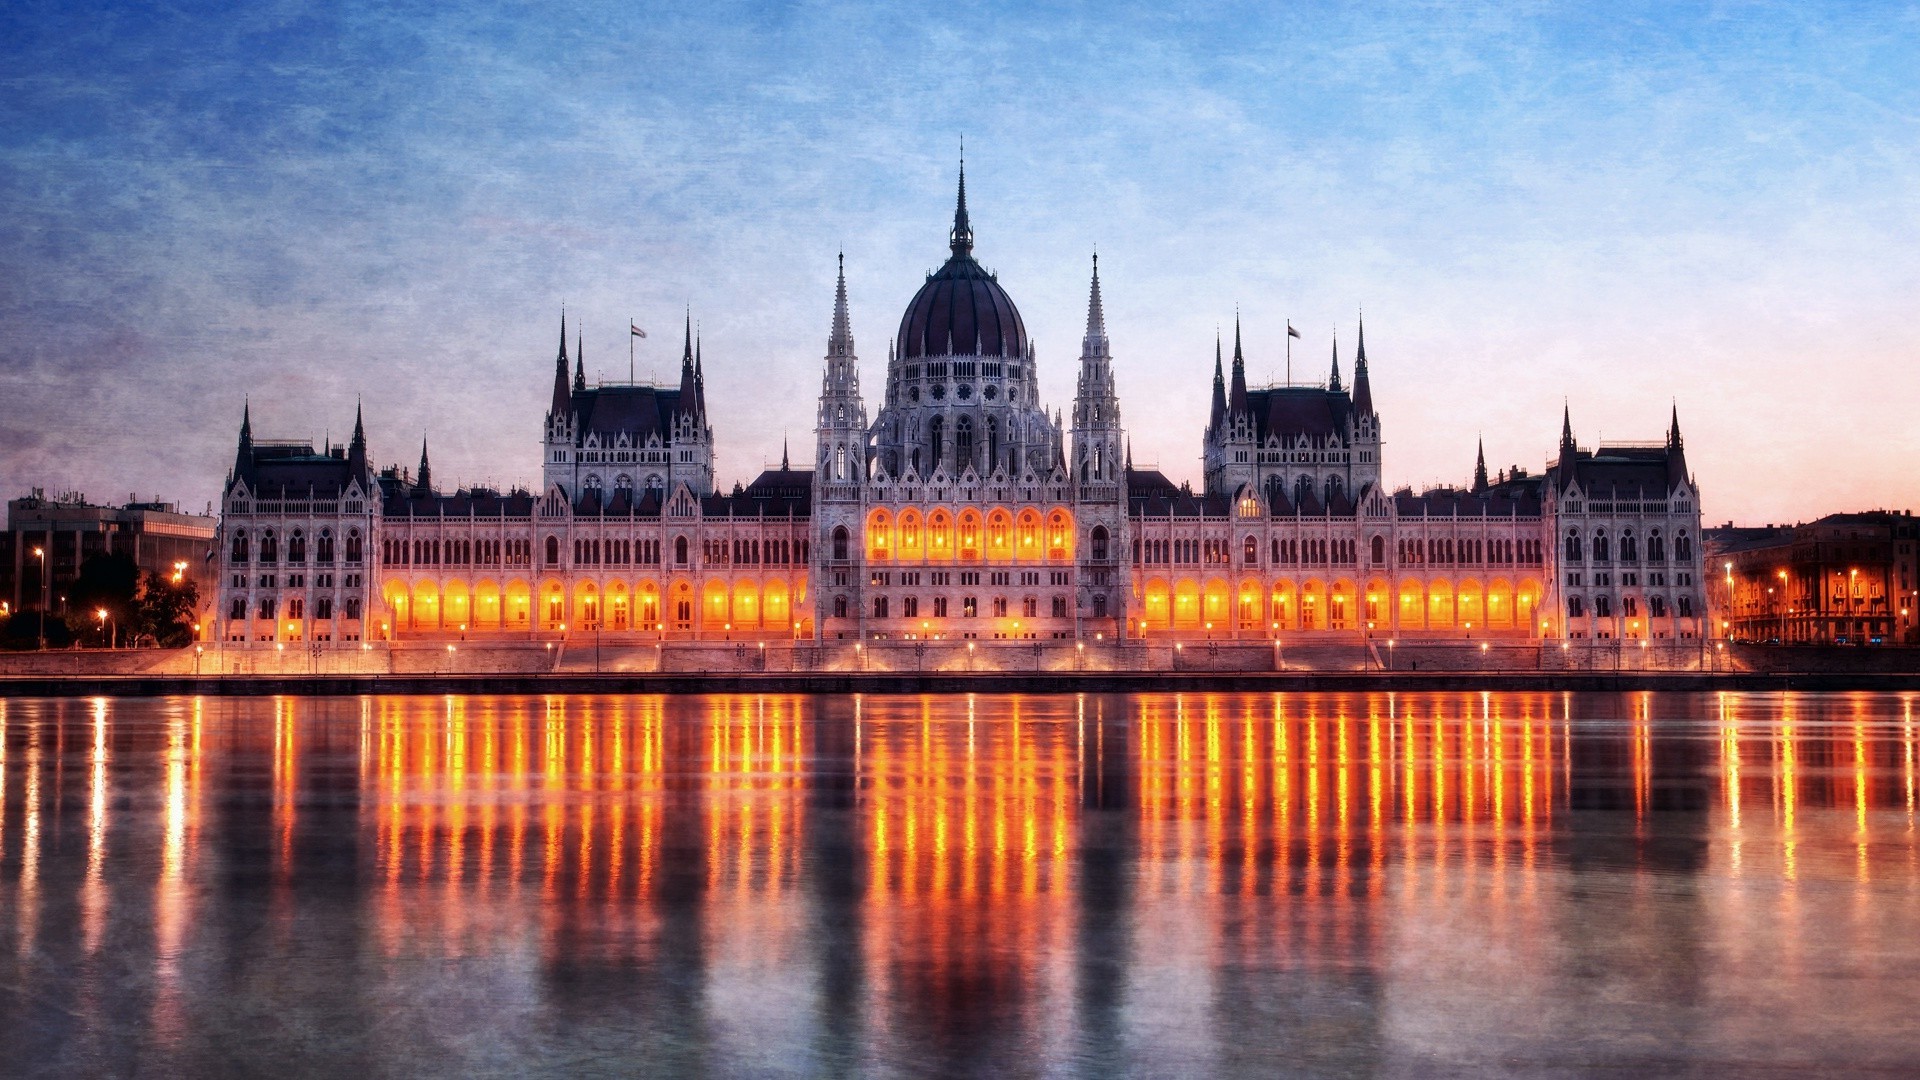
(961, 239)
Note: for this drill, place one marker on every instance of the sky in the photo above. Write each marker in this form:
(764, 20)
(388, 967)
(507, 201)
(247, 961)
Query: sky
(1617, 208)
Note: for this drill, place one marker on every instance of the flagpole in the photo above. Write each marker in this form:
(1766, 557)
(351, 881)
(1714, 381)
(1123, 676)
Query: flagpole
(629, 350)
(1289, 352)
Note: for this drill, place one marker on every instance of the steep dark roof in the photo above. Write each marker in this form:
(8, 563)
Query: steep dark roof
(294, 470)
(405, 501)
(639, 411)
(961, 309)
(1621, 471)
(1299, 410)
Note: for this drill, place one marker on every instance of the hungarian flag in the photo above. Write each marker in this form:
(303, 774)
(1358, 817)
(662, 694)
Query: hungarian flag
(637, 332)
(1291, 332)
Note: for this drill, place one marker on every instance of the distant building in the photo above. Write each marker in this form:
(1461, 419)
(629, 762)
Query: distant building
(1843, 579)
(69, 530)
(963, 508)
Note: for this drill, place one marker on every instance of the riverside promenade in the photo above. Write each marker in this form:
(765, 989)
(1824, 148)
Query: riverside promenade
(952, 668)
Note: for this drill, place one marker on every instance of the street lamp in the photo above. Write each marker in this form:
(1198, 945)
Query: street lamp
(46, 586)
(105, 622)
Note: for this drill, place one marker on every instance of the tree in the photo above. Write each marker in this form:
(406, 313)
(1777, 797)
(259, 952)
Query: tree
(110, 583)
(166, 609)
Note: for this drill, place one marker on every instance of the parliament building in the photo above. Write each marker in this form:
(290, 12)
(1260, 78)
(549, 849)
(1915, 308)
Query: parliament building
(960, 508)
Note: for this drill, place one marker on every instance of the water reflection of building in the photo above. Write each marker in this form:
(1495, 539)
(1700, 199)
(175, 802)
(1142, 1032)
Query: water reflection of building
(1105, 877)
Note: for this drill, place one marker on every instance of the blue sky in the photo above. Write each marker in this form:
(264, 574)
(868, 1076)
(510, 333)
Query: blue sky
(1615, 206)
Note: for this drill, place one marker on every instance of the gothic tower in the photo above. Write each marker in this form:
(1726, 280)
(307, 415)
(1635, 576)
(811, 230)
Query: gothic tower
(1099, 472)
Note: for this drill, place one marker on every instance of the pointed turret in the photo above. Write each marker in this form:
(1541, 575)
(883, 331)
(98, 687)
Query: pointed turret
(783, 454)
(1676, 452)
(558, 410)
(1237, 400)
(357, 448)
(423, 484)
(243, 457)
(699, 384)
(688, 392)
(840, 338)
(1219, 411)
(579, 361)
(1333, 380)
(961, 239)
(1480, 468)
(1566, 433)
(1362, 386)
(1095, 341)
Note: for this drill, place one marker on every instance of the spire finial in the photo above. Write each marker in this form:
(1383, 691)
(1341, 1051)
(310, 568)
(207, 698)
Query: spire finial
(424, 483)
(1333, 380)
(961, 239)
(1673, 428)
(1096, 313)
(1480, 466)
(840, 338)
(579, 359)
(783, 453)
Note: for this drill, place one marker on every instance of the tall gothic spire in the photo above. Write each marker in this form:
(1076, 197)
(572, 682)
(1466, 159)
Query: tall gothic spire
(579, 359)
(559, 406)
(1219, 410)
(1673, 430)
(840, 339)
(423, 484)
(1362, 386)
(357, 448)
(1333, 380)
(1096, 339)
(1566, 432)
(1480, 467)
(961, 239)
(699, 383)
(688, 388)
(243, 457)
(1237, 400)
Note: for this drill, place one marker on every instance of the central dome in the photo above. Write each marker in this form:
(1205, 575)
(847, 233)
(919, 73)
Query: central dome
(962, 310)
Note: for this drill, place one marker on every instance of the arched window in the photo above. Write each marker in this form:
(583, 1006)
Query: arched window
(1682, 549)
(239, 545)
(680, 550)
(623, 482)
(839, 607)
(593, 481)
(553, 551)
(1629, 548)
(936, 428)
(1379, 550)
(1600, 548)
(269, 550)
(324, 555)
(1333, 489)
(353, 546)
(963, 444)
(1099, 540)
(1574, 608)
(993, 444)
(1656, 547)
(1573, 545)
(1250, 551)
(841, 539)
(297, 547)
(1302, 488)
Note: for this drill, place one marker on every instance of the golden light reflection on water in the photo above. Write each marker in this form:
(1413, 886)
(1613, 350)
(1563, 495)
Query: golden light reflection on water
(951, 850)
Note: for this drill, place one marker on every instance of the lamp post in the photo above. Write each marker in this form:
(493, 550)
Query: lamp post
(46, 587)
(107, 621)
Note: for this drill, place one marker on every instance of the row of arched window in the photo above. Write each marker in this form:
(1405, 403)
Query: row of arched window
(1626, 547)
(1630, 607)
(267, 548)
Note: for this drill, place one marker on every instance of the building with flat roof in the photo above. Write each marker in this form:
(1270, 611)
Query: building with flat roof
(1847, 579)
(48, 539)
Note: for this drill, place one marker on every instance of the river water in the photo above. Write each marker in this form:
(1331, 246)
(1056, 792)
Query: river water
(1073, 885)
